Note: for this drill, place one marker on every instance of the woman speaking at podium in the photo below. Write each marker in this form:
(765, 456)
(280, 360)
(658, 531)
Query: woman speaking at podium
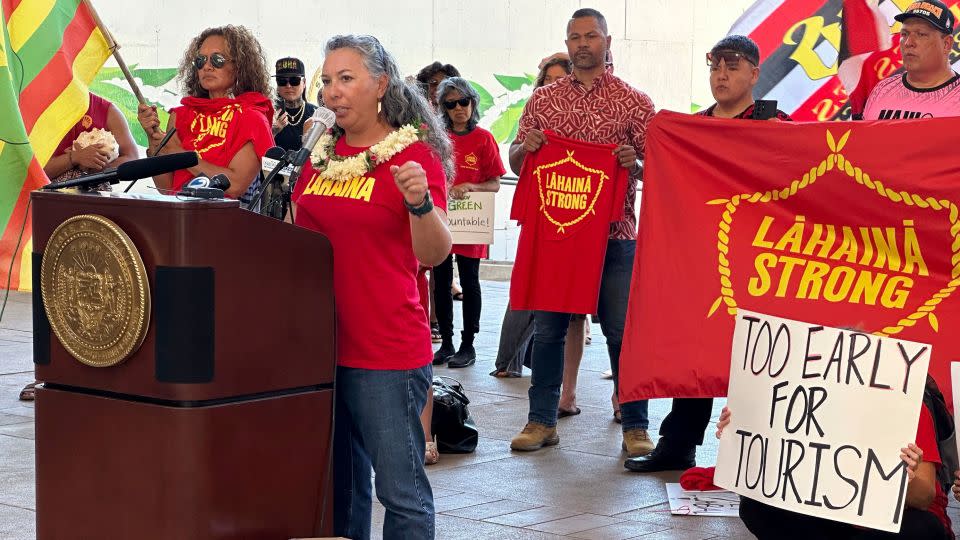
(377, 190)
(226, 117)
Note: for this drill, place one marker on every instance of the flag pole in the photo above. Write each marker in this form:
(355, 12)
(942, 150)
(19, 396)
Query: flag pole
(115, 49)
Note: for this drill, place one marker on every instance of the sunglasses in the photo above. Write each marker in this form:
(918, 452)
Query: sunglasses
(289, 81)
(729, 58)
(217, 60)
(452, 104)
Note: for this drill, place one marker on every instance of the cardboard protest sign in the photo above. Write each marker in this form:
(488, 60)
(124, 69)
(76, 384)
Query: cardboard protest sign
(818, 418)
(471, 219)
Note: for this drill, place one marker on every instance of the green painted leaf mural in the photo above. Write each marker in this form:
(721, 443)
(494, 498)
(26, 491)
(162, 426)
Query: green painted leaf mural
(111, 84)
(512, 83)
(504, 128)
(486, 100)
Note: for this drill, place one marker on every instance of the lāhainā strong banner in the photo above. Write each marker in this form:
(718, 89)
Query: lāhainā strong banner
(851, 224)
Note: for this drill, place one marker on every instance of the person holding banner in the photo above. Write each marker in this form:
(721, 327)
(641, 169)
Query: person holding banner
(479, 169)
(924, 518)
(226, 116)
(734, 71)
(594, 106)
(377, 190)
(928, 87)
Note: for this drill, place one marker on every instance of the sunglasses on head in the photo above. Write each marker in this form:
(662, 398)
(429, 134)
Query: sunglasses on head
(729, 58)
(288, 81)
(217, 60)
(452, 104)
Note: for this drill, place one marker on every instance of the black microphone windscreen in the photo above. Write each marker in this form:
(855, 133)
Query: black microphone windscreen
(145, 168)
(275, 153)
(220, 181)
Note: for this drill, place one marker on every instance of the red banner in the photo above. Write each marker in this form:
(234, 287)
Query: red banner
(839, 223)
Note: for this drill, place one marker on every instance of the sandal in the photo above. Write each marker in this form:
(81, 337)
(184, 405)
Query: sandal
(504, 374)
(458, 296)
(431, 456)
(29, 392)
(435, 336)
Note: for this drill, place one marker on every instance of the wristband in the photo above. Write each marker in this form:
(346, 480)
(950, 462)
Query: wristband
(423, 208)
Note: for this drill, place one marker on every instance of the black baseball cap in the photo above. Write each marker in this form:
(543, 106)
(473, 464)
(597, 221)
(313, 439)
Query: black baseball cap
(290, 66)
(740, 44)
(933, 11)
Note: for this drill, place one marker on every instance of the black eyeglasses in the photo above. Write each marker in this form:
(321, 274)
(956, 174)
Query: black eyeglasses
(288, 81)
(217, 60)
(452, 104)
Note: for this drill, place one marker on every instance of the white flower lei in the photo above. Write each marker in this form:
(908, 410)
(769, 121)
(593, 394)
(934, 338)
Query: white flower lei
(340, 169)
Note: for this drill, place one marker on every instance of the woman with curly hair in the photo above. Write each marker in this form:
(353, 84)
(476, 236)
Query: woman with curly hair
(378, 191)
(226, 117)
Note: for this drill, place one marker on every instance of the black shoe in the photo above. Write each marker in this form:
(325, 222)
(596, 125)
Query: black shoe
(664, 458)
(466, 356)
(444, 353)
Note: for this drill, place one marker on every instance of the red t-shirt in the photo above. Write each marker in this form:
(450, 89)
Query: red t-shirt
(478, 160)
(380, 322)
(568, 194)
(218, 128)
(927, 441)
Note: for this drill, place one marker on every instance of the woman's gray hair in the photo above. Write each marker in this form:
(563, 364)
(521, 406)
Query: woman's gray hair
(466, 90)
(402, 103)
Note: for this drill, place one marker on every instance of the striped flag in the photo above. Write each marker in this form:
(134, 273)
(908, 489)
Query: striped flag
(49, 52)
(864, 38)
(802, 43)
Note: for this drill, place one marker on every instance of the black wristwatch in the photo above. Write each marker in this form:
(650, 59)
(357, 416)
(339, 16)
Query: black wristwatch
(424, 207)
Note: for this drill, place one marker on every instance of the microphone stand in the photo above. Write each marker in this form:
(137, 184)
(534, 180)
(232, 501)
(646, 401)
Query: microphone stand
(163, 142)
(288, 193)
(283, 162)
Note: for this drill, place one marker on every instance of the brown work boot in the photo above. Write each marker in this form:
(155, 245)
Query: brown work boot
(636, 442)
(534, 437)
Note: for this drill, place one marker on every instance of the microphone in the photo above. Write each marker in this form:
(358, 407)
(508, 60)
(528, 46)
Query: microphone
(323, 119)
(202, 187)
(133, 170)
(219, 181)
(272, 158)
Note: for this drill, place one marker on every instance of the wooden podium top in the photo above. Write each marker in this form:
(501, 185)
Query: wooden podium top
(241, 304)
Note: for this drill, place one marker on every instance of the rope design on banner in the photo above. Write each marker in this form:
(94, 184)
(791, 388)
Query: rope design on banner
(838, 160)
(593, 202)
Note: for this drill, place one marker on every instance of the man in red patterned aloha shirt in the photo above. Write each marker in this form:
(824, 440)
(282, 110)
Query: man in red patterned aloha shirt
(591, 105)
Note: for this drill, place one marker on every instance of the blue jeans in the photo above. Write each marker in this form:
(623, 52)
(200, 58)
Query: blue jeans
(550, 331)
(377, 424)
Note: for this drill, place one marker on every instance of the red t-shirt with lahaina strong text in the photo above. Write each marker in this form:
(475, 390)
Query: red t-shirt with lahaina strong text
(568, 194)
(380, 321)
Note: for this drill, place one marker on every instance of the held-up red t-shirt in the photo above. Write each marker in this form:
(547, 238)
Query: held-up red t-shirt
(478, 160)
(380, 322)
(568, 194)
(218, 128)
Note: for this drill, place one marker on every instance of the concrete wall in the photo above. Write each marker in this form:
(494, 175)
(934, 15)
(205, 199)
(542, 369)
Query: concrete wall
(658, 45)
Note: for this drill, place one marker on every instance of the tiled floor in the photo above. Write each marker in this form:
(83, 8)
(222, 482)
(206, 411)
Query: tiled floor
(578, 489)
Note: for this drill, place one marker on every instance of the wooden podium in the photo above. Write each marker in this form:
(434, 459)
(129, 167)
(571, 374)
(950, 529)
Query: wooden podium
(220, 425)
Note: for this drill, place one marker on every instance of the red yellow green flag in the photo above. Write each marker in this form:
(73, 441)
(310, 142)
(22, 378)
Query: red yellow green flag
(50, 50)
